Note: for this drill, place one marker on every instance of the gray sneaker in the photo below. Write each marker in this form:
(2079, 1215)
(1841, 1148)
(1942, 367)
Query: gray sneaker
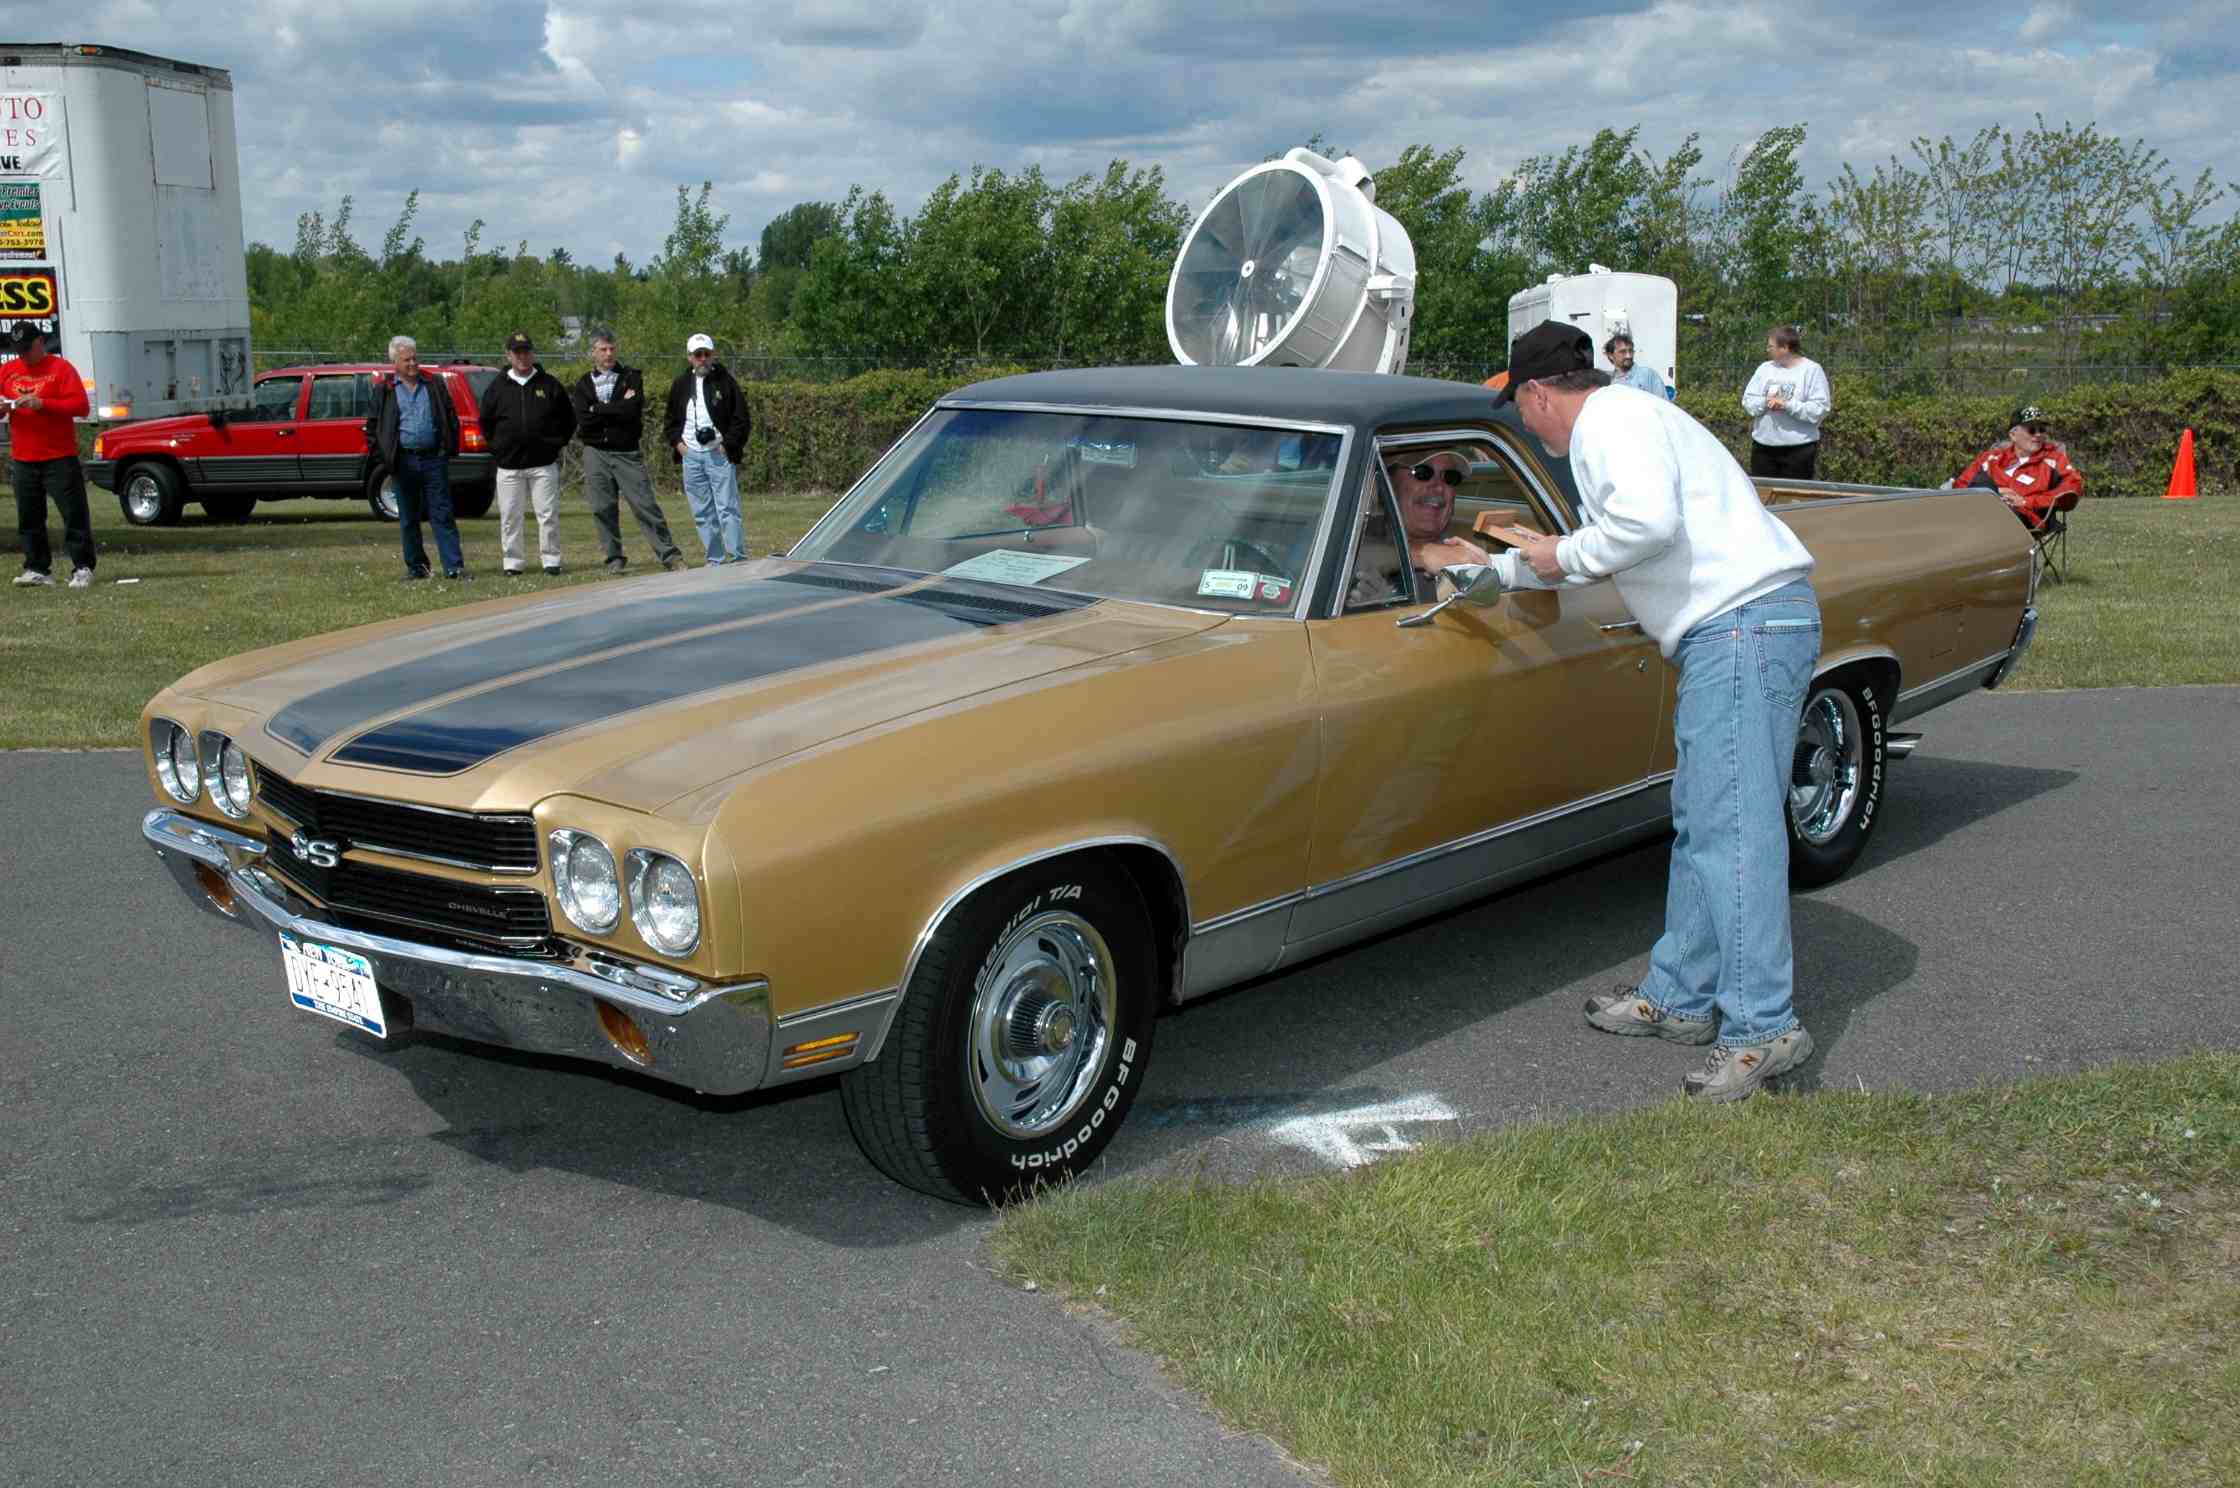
(32, 576)
(82, 579)
(1627, 1012)
(1735, 1074)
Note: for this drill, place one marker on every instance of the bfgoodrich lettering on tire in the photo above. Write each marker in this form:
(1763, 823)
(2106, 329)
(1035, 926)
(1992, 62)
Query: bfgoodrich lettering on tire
(1836, 779)
(1021, 1039)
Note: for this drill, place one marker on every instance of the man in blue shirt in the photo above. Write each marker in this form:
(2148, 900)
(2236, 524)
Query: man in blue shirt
(1626, 372)
(413, 431)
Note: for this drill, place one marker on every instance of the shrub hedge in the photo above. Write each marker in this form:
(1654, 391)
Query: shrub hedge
(2123, 436)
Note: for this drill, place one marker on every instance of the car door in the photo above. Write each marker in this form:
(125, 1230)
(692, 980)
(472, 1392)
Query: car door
(1489, 738)
(255, 451)
(332, 441)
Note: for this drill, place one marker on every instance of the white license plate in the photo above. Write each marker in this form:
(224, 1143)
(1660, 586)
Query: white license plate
(334, 983)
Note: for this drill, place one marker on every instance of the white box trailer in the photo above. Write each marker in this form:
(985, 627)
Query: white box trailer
(120, 224)
(1602, 301)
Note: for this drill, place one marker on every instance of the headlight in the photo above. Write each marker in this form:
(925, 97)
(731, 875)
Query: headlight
(227, 770)
(583, 875)
(176, 766)
(664, 902)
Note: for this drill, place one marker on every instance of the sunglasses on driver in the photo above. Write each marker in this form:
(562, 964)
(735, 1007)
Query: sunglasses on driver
(1428, 471)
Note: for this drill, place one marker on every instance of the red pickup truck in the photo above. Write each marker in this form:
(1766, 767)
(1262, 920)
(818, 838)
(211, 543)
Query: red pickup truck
(302, 435)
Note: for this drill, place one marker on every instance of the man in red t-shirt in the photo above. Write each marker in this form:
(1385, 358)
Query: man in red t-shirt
(40, 397)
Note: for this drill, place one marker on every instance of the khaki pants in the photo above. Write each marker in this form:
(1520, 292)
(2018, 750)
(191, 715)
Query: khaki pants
(539, 487)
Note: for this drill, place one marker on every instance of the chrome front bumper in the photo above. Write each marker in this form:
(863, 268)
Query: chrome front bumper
(715, 1039)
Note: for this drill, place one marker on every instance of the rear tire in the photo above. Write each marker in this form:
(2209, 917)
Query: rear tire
(229, 508)
(1021, 1039)
(150, 494)
(1835, 790)
(381, 494)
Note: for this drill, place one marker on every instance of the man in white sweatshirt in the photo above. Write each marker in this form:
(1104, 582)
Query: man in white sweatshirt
(1787, 398)
(1668, 516)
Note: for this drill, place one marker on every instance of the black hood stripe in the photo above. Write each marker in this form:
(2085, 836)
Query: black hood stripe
(309, 722)
(467, 731)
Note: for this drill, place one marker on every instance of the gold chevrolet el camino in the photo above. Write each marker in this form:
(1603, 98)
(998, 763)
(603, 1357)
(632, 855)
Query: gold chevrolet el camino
(1101, 690)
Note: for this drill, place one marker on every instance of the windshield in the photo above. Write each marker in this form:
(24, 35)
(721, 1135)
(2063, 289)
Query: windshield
(1214, 516)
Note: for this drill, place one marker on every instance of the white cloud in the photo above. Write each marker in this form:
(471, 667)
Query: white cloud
(571, 122)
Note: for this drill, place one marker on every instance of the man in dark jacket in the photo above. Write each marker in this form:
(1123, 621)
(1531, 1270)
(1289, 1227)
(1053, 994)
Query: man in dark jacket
(528, 420)
(610, 409)
(707, 429)
(414, 431)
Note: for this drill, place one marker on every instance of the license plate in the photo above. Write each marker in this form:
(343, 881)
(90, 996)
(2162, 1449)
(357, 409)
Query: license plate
(334, 983)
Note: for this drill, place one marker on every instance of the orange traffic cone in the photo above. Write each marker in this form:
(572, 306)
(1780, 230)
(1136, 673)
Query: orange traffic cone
(2181, 473)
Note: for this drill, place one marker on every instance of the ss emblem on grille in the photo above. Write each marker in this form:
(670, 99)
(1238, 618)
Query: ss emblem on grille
(319, 852)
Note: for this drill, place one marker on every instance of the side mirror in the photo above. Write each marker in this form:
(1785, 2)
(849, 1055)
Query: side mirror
(1475, 584)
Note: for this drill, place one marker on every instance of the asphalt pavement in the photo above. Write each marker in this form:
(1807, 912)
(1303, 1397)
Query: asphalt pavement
(242, 1246)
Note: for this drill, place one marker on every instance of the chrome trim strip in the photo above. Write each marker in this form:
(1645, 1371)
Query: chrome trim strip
(845, 1005)
(2025, 630)
(1476, 839)
(1250, 911)
(1899, 746)
(1127, 410)
(398, 852)
(707, 1036)
(514, 817)
(1909, 694)
(934, 922)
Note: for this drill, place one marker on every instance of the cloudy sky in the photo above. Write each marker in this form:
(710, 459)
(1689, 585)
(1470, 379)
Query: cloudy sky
(571, 122)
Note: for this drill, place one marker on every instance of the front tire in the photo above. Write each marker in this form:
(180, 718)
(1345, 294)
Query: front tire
(1021, 1040)
(1836, 778)
(150, 495)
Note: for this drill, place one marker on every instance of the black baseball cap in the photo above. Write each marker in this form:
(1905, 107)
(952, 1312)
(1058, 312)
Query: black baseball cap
(2031, 417)
(24, 332)
(519, 341)
(1549, 349)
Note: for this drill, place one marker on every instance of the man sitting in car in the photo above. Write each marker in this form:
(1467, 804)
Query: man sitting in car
(1425, 486)
(2028, 469)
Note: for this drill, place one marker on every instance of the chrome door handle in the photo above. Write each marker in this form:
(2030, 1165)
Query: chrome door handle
(1622, 626)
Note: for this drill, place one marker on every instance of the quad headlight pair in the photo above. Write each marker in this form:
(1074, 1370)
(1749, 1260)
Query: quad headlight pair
(186, 763)
(664, 900)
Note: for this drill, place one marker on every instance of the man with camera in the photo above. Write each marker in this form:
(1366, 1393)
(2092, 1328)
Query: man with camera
(707, 427)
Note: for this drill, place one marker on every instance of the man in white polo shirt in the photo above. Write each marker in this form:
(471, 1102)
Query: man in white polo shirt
(1668, 516)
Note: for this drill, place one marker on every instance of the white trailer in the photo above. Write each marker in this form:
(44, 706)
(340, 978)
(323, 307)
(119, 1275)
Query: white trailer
(120, 224)
(1601, 302)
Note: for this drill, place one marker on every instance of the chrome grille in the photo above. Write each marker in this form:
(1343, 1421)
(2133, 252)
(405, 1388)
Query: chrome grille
(490, 841)
(503, 916)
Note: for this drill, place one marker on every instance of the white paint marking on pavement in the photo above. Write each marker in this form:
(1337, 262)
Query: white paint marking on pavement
(1332, 1136)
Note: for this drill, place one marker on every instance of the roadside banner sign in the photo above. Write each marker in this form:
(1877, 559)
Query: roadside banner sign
(23, 231)
(30, 133)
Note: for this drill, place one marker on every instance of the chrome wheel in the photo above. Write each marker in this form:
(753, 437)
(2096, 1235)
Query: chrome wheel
(143, 499)
(1829, 767)
(385, 498)
(1040, 1022)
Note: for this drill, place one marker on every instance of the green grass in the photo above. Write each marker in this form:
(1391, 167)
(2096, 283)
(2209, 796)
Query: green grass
(76, 667)
(2150, 599)
(2027, 1284)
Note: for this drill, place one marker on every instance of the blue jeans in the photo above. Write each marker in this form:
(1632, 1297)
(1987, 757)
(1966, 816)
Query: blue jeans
(711, 488)
(1726, 945)
(424, 490)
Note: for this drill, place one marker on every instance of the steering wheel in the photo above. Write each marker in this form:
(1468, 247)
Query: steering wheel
(1228, 549)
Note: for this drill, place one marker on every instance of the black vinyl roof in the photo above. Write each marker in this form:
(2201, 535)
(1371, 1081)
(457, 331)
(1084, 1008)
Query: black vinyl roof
(1367, 399)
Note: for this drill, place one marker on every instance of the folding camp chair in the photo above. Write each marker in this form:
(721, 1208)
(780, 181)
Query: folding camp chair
(2052, 534)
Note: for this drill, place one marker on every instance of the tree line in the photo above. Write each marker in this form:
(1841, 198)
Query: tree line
(2056, 246)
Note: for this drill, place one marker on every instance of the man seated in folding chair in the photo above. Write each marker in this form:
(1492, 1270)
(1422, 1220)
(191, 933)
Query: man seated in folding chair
(2033, 476)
